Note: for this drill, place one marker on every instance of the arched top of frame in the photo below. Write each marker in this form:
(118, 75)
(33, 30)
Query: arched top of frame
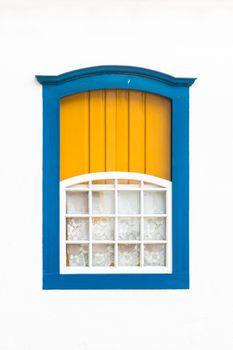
(115, 175)
(114, 70)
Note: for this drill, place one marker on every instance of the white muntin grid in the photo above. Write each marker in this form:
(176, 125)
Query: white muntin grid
(87, 184)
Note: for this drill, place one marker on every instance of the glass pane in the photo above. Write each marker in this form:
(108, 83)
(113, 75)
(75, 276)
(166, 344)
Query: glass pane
(104, 183)
(122, 181)
(77, 229)
(103, 202)
(129, 202)
(133, 183)
(154, 202)
(154, 255)
(80, 185)
(129, 228)
(77, 203)
(150, 185)
(77, 254)
(103, 255)
(128, 255)
(103, 228)
(154, 228)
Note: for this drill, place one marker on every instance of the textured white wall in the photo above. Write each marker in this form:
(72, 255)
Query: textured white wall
(183, 38)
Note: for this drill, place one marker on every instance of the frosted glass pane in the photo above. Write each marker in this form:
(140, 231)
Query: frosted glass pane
(154, 254)
(103, 228)
(154, 202)
(77, 203)
(77, 229)
(128, 255)
(129, 228)
(129, 202)
(154, 228)
(103, 202)
(103, 255)
(77, 255)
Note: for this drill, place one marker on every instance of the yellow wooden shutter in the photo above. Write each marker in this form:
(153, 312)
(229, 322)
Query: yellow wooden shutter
(115, 130)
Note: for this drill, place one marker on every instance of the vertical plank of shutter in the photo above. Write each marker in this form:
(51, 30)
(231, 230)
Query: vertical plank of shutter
(122, 132)
(158, 136)
(97, 132)
(74, 135)
(136, 132)
(110, 131)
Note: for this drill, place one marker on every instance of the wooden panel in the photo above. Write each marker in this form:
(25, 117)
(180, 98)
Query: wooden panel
(97, 132)
(158, 136)
(74, 135)
(136, 132)
(111, 130)
(122, 131)
(115, 130)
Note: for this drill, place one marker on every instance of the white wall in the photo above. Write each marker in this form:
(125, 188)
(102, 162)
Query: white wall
(183, 38)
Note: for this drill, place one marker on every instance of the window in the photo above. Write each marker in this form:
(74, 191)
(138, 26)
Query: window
(115, 227)
(115, 179)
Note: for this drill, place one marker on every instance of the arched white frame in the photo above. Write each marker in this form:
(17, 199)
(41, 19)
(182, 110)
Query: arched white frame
(151, 255)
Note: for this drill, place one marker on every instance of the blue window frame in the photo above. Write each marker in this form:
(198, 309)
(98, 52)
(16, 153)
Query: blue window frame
(116, 77)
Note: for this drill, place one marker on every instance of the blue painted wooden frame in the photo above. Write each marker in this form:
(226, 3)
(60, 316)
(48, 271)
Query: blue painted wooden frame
(117, 77)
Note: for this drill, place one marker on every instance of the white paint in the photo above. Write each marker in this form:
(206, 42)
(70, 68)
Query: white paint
(182, 38)
(72, 184)
(115, 175)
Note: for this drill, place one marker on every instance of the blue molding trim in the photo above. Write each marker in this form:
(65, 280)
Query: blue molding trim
(107, 77)
(126, 70)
